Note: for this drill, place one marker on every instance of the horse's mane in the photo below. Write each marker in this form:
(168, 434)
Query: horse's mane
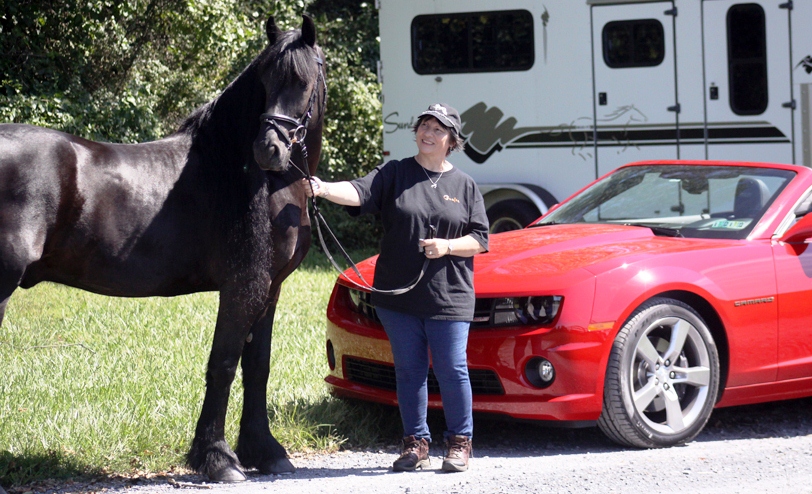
(222, 132)
(288, 61)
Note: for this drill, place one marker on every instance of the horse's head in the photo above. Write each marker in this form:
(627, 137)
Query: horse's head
(295, 97)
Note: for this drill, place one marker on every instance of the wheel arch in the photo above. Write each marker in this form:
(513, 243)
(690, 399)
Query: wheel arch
(539, 197)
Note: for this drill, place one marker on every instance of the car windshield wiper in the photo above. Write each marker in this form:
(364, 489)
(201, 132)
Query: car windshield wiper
(660, 231)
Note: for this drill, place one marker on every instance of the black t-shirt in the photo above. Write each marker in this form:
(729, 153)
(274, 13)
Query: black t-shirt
(402, 193)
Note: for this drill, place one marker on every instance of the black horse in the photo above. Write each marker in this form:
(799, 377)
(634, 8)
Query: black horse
(213, 206)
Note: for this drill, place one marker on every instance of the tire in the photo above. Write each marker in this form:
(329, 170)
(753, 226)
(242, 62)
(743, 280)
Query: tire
(655, 396)
(512, 214)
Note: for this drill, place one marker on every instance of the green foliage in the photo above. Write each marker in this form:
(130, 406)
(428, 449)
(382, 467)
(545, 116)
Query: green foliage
(131, 71)
(118, 71)
(348, 33)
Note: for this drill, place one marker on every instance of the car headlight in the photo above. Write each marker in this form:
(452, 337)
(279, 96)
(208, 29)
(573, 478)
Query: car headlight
(359, 301)
(355, 299)
(524, 310)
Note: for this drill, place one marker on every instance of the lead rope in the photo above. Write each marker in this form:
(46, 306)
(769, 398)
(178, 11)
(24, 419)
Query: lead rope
(299, 134)
(320, 219)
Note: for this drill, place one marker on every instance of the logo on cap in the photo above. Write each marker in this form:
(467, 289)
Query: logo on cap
(439, 109)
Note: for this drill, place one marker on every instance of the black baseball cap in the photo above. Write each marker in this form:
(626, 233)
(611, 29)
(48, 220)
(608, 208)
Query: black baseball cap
(446, 115)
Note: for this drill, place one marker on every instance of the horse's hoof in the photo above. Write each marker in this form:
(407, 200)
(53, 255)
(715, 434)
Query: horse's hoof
(228, 474)
(280, 466)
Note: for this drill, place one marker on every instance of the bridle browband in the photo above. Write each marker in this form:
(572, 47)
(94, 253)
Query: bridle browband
(297, 136)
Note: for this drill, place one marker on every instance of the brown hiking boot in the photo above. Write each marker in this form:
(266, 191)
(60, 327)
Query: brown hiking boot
(459, 450)
(415, 455)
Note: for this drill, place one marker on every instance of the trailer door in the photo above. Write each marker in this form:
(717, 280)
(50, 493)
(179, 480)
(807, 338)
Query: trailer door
(636, 110)
(747, 69)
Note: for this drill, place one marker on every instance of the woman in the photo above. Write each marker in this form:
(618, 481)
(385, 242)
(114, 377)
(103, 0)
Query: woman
(416, 197)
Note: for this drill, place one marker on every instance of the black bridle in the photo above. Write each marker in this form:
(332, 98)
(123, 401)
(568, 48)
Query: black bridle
(299, 131)
(296, 136)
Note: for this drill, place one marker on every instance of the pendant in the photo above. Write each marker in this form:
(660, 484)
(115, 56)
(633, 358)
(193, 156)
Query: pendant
(433, 186)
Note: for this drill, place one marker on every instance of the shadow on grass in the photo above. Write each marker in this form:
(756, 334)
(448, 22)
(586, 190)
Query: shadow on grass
(334, 423)
(21, 469)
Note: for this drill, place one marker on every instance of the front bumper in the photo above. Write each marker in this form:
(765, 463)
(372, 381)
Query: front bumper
(496, 361)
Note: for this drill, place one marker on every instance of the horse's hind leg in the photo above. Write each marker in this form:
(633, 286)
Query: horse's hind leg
(3, 304)
(8, 283)
(257, 447)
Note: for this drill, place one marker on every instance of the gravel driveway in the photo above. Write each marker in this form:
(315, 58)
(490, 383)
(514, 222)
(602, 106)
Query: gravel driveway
(756, 449)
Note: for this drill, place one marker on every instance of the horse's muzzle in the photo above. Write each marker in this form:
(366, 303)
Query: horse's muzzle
(270, 152)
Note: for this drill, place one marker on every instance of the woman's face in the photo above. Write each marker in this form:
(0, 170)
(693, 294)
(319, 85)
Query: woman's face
(433, 138)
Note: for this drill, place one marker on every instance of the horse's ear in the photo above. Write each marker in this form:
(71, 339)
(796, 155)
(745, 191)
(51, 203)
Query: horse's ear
(271, 30)
(308, 30)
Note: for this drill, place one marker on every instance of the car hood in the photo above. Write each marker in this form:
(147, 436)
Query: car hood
(562, 255)
(565, 254)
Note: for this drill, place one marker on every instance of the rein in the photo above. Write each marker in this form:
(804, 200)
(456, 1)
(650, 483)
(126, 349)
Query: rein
(297, 137)
(364, 283)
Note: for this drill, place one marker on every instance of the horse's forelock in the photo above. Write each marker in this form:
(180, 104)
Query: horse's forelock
(290, 59)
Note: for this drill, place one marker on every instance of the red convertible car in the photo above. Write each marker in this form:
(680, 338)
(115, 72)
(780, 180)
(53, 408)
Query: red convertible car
(658, 292)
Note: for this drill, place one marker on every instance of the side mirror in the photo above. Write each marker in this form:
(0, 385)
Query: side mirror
(800, 232)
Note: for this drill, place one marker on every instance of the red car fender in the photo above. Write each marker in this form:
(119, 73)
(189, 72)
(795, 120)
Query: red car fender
(755, 356)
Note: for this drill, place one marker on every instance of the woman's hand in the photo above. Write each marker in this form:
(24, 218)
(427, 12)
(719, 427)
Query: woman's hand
(343, 193)
(313, 187)
(434, 248)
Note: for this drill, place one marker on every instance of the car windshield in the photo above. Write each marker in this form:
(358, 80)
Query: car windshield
(678, 200)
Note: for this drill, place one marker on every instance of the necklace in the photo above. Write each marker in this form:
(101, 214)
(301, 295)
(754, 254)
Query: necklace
(433, 182)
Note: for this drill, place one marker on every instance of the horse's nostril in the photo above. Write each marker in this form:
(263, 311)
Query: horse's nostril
(270, 157)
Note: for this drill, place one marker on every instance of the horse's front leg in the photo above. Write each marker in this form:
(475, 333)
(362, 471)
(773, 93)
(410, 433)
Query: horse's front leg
(210, 454)
(257, 447)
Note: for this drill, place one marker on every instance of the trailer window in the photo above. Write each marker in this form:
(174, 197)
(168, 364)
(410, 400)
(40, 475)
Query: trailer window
(634, 43)
(472, 42)
(747, 59)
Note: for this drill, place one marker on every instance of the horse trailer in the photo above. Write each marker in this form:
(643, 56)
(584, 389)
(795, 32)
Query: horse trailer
(554, 93)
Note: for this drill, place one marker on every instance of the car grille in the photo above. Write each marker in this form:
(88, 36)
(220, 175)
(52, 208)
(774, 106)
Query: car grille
(382, 376)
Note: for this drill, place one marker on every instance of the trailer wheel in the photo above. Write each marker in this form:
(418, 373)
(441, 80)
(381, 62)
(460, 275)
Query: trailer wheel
(512, 214)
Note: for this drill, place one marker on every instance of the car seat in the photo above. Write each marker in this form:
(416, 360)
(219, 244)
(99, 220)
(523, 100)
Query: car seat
(751, 195)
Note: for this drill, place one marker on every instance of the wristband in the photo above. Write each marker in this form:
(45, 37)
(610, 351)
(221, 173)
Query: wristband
(450, 250)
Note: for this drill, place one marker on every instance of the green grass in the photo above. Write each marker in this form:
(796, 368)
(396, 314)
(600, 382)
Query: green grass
(93, 385)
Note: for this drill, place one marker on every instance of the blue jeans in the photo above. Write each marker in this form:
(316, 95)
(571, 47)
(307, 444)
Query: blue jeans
(411, 338)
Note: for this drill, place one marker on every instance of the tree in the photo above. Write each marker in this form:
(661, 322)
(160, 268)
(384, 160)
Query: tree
(131, 71)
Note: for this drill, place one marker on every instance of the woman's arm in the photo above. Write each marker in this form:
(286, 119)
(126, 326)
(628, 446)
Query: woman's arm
(466, 246)
(343, 193)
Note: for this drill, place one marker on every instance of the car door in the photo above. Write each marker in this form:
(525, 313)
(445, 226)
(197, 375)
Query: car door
(635, 83)
(793, 269)
(748, 96)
